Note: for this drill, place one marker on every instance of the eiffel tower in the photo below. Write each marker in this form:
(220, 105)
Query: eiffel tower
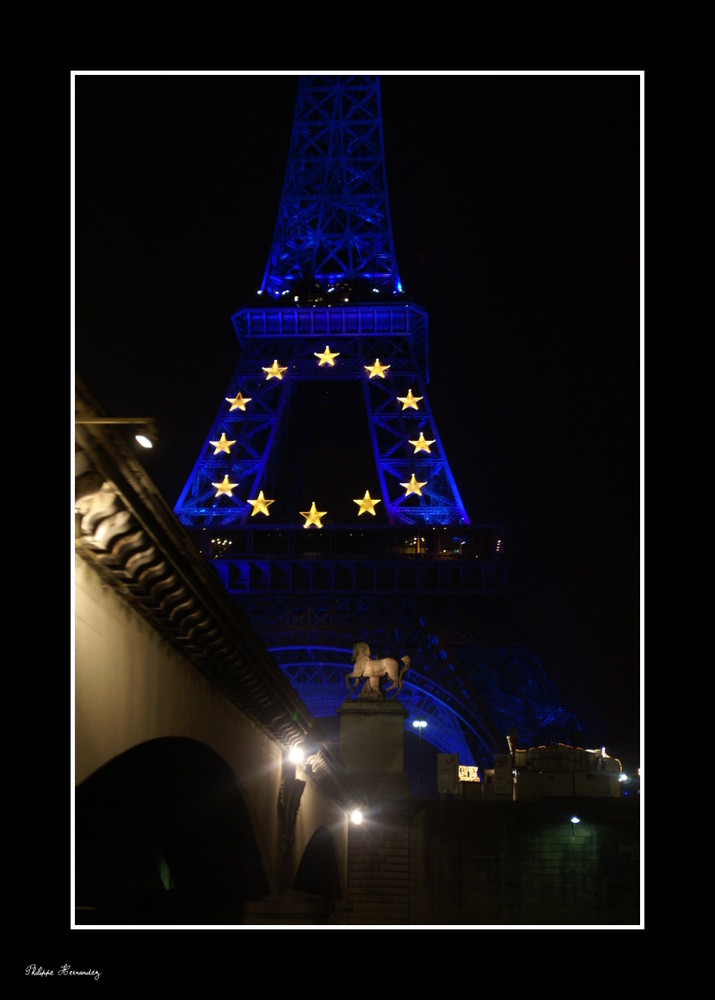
(323, 495)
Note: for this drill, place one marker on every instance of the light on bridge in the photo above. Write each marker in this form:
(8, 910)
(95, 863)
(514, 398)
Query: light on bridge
(145, 440)
(419, 725)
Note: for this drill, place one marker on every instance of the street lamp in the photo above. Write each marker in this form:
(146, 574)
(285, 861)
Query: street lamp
(512, 738)
(419, 725)
(146, 422)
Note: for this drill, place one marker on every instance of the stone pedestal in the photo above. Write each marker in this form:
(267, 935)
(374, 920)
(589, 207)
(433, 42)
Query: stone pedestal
(372, 744)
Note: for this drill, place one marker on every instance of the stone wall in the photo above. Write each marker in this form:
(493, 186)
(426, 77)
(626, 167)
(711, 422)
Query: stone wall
(498, 864)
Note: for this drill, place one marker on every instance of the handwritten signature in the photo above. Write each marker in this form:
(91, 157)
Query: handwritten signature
(64, 970)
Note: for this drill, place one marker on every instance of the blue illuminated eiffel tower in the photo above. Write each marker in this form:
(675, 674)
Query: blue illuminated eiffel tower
(323, 495)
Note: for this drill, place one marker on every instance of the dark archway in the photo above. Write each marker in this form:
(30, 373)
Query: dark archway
(162, 835)
(318, 872)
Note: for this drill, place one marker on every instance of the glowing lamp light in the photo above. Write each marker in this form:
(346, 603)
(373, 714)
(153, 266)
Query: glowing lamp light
(575, 820)
(313, 516)
(224, 487)
(419, 725)
(238, 402)
(367, 504)
(275, 371)
(222, 444)
(413, 486)
(296, 755)
(260, 505)
(377, 370)
(141, 438)
(326, 358)
(356, 817)
(421, 444)
(409, 401)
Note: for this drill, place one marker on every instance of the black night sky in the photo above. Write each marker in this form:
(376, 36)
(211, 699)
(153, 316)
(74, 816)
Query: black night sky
(515, 205)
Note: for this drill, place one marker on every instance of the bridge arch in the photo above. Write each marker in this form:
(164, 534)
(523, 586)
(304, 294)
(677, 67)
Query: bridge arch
(163, 835)
(318, 872)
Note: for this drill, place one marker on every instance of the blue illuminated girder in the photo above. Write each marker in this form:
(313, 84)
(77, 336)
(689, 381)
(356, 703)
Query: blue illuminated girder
(261, 431)
(334, 221)
(318, 675)
(346, 560)
(332, 281)
(311, 639)
(250, 431)
(393, 428)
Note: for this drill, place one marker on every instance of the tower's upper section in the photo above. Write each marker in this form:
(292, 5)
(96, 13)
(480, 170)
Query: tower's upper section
(334, 230)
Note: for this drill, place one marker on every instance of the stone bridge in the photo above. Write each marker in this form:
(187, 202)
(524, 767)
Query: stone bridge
(187, 804)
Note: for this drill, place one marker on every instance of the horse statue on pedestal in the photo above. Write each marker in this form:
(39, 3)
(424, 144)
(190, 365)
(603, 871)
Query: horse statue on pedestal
(372, 672)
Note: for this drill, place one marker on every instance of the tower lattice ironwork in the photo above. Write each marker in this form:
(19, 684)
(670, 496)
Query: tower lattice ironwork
(323, 494)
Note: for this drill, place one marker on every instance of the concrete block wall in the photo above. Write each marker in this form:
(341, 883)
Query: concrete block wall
(525, 863)
(510, 864)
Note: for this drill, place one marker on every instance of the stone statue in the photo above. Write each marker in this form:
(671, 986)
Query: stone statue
(372, 671)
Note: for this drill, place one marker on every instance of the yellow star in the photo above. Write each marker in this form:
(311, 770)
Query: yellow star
(420, 444)
(222, 444)
(326, 358)
(413, 486)
(224, 487)
(275, 371)
(313, 516)
(409, 401)
(238, 402)
(376, 369)
(366, 505)
(260, 505)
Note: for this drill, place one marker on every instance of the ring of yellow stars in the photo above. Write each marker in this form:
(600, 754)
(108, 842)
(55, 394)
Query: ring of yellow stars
(366, 505)
(313, 516)
(420, 444)
(326, 358)
(222, 444)
(409, 401)
(238, 402)
(261, 505)
(224, 487)
(413, 486)
(377, 369)
(275, 371)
